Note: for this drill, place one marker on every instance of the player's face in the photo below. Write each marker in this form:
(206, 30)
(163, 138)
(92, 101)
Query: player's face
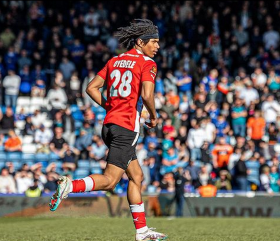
(151, 48)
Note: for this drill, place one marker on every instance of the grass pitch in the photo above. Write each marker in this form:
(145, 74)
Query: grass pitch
(122, 229)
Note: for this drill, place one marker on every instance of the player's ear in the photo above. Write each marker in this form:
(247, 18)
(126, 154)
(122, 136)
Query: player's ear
(140, 42)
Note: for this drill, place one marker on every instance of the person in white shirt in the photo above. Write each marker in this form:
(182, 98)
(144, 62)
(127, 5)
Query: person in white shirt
(7, 183)
(271, 38)
(196, 138)
(249, 94)
(11, 84)
(270, 109)
(43, 136)
(24, 181)
(210, 130)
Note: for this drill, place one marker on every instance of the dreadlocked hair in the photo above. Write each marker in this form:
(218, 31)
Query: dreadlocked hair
(128, 35)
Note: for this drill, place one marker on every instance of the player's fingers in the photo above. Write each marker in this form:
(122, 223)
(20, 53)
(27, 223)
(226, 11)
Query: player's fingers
(148, 124)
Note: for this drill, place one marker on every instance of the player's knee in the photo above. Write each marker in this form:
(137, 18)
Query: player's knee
(138, 179)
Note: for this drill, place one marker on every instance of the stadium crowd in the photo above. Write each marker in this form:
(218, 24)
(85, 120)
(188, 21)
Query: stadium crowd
(216, 93)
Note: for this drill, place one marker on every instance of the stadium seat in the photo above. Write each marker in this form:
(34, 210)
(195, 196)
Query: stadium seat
(27, 157)
(42, 157)
(3, 156)
(20, 124)
(27, 139)
(2, 164)
(81, 173)
(78, 125)
(48, 123)
(13, 156)
(23, 101)
(17, 165)
(29, 148)
(33, 108)
(53, 156)
(84, 164)
(25, 109)
(2, 148)
(77, 113)
(95, 164)
(96, 170)
(39, 101)
(3, 109)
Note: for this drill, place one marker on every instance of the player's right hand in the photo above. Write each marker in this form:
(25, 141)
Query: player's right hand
(152, 123)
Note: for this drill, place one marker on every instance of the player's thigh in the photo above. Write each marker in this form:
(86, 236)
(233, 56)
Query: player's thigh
(134, 171)
(114, 173)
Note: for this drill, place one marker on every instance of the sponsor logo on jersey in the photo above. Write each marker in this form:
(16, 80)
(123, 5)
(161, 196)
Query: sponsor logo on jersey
(154, 70)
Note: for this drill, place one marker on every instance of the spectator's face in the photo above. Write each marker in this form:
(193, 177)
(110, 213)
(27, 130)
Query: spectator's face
(4, 173)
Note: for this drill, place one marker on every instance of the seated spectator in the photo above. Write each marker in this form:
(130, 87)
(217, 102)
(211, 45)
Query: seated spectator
(38, 89)
(43, 137)
(98, 150)
(29, 128)
(38, 118)
(82, 143)
(51, 184)
(21, 115)
(57, 98)
(8, 121)
(7, 183)
(13, 143)
(194, 173)
(69, 156)
(208, 190)
(253, 166)
(58, 141)
(204, 176)
(222, 126)
(34, 190)
(223, 182)
(24, 180)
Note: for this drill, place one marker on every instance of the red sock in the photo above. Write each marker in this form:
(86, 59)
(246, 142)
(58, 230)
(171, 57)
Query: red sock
(139, 217)
(86, 184)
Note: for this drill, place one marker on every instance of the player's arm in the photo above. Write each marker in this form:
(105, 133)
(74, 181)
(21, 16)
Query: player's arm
(94, 92)
(147, 94)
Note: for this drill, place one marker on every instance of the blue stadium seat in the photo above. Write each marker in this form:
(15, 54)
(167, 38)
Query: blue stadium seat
(29, 163)
(77, 113)
(96, 170)
(42, 156)
(54, 156)
(2, 148)
(14, 156)
(3, 156)
(85, 164)
(2, 164)
(58, 165)
(78, 125)
(17, 165)
(27, 157)
(81, 173)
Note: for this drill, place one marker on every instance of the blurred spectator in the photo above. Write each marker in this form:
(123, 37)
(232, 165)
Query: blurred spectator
(24, 180)
(223, 182)
(58, 141)
(8, 122)
(69, 156)
(265, 181)
(51, 184)
(271, 109)
(7, 183)
(208, 190)
(13, 143)
(274, 179)
(68, 124)
(221, 154)
(239, 114)
(57, 98)
(11, 84)
(43, 137)
(98, 150)
(256, 128)
(241, 174)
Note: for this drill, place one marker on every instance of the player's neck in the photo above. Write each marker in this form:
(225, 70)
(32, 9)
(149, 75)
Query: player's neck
(138, 49)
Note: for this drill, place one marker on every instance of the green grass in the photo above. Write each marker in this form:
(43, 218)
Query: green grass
(121, 229)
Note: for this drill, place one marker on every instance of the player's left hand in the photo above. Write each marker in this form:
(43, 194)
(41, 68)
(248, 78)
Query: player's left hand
(152, 123)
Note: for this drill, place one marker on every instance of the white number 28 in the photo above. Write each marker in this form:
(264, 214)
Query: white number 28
(124, 89)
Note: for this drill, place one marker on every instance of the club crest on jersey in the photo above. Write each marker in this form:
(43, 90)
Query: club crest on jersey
(154, 70)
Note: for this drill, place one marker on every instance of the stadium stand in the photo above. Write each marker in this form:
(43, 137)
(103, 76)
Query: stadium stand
(216, 92)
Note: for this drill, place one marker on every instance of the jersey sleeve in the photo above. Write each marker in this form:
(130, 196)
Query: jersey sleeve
(149, 71)
(103, 73)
